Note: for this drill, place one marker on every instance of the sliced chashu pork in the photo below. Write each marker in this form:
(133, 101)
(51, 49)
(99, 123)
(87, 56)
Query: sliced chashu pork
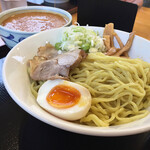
(56, 67)
(48, 51)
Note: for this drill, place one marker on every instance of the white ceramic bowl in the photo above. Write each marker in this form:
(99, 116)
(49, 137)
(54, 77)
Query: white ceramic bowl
(16, 82)
(11, 37)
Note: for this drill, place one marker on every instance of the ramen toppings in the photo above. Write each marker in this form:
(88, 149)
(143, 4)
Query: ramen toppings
(56, 66)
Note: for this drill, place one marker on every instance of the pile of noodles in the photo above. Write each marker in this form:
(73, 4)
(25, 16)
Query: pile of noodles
(120, 88)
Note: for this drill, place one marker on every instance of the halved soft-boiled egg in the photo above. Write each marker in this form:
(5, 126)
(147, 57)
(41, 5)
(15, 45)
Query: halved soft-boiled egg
(64, 99)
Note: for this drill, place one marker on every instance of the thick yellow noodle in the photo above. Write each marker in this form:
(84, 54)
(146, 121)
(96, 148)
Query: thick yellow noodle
(34, 85)
(120, 88)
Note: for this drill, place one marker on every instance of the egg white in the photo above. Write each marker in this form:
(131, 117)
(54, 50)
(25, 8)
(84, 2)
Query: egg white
(72, 113)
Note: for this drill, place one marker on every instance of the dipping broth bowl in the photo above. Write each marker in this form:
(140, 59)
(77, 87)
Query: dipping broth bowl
(12, 37)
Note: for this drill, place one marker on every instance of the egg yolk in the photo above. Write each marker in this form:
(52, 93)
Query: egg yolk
(63, 96)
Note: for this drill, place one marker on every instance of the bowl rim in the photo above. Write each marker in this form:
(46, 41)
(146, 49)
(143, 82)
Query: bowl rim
(69, 126)
(46, 8)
